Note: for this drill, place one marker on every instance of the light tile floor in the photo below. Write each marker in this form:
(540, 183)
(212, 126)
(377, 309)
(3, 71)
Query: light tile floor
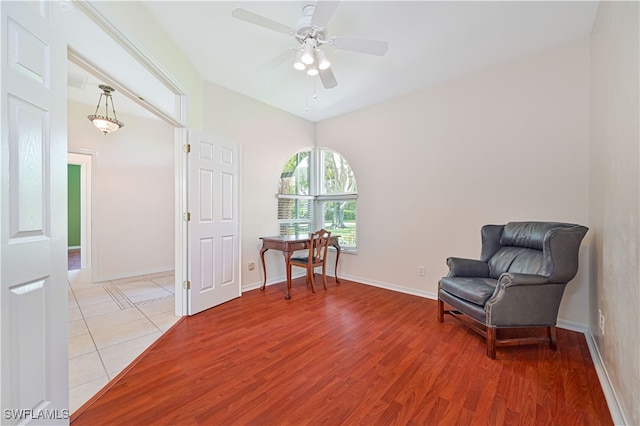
(110, 324)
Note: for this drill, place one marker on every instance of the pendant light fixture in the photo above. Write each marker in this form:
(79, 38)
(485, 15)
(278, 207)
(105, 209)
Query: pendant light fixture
(104, 123)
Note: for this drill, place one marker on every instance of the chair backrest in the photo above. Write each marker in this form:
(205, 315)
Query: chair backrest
(319, 245)
(542, 248)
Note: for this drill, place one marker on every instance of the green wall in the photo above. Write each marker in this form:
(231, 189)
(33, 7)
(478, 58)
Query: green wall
(73, 208)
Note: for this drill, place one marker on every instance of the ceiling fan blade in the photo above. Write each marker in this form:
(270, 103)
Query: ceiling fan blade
(277, 60)
(323, 13)
(328, 79)
(245, 15)
(371, 47)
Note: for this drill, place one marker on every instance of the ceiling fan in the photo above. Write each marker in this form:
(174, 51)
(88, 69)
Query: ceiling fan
(311, 34)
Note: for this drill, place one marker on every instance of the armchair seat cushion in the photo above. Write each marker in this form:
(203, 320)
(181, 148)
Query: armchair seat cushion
(474, 290)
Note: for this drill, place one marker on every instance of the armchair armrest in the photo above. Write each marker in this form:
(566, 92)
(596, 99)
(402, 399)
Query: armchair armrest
(459, 267)
(524, 300)
(509, 279)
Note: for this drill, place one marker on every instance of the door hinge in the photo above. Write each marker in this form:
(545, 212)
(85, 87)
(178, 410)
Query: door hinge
(186, 148)
(186, 285)
(186, 216)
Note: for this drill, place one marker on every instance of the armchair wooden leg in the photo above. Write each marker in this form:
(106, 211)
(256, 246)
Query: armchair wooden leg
(440, 311)
(551, 333)
(491, 342)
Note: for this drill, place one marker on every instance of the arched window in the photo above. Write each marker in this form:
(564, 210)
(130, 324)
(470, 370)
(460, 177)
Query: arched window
(318, 190)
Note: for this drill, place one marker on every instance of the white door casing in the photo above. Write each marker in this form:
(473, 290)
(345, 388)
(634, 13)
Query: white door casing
(33, 238)
(85, 161)
(213, 225)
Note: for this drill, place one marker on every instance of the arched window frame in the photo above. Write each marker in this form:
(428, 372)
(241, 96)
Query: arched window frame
(306, 210)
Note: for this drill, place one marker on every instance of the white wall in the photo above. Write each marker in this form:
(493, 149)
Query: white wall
(508, 143)
(615, 197)
(133, 193)
(268, 137)
(505, 144)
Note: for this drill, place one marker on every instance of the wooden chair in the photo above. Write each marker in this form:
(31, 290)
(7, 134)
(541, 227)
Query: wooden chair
(318, 246)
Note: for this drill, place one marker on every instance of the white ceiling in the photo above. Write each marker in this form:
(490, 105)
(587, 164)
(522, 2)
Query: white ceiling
(429, 42)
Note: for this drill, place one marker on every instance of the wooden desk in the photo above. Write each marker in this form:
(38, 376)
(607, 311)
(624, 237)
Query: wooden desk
(287, 244)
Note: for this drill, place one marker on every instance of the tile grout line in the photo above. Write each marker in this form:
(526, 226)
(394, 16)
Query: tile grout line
(122, 300)
(104, 368)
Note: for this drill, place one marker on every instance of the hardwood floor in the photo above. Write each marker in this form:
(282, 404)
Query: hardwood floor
(73, 259)
(352, 354)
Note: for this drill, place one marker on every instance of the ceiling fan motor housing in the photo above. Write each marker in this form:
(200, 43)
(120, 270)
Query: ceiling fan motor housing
(305, 29)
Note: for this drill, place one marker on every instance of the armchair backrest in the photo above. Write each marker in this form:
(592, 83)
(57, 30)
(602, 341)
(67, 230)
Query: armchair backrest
(549, 249)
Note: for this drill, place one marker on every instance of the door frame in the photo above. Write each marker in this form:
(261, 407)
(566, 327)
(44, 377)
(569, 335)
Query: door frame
(85, 159)
(179, 183)
(181, 236)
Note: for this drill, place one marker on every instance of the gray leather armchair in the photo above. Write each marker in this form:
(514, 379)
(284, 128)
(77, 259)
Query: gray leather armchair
(518, 281)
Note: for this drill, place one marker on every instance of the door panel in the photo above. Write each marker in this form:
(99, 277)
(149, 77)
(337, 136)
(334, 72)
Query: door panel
(213, 229)
(33, 289)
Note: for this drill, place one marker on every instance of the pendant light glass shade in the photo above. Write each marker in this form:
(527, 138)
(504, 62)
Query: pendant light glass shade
(104, 123)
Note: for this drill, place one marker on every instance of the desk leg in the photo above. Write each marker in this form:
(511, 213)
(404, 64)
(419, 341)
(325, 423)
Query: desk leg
(287, 263)
(337, 247)
(264, 268)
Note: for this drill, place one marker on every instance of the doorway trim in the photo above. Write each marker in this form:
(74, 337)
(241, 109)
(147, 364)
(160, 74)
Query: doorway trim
(96, 66)
(85, 159)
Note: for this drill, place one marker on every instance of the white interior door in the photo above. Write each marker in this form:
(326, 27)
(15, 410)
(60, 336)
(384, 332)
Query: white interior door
(33, 239)
(213, 225)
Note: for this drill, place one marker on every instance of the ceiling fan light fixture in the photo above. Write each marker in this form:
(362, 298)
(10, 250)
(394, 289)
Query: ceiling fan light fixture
(311, 33)
(308, 51)
(312, 70)
(104, 123)
(323, 62)
(298, 64)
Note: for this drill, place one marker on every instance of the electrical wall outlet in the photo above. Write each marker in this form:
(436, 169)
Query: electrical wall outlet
(601, 321)
(252, 265)
(421, 271)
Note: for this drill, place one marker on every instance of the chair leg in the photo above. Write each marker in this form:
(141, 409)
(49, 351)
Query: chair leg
(310, 274)
(491, 342)
(324, 275)
(551, 333)
(440, 311)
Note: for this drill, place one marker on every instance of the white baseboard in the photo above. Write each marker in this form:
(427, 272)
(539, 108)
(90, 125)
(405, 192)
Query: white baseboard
(276, 280)
(131, 274)
(380, 284)
(393, 287)
(617, 415)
